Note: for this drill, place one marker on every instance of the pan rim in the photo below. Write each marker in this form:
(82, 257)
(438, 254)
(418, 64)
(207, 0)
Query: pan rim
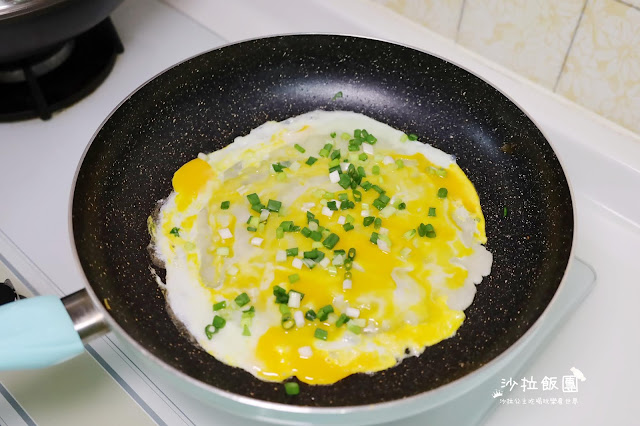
(450, 390)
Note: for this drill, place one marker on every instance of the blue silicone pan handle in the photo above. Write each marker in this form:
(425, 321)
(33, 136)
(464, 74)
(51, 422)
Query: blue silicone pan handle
(36, 332)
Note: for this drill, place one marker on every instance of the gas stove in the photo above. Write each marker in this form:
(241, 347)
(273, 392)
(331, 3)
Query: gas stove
(38, 160)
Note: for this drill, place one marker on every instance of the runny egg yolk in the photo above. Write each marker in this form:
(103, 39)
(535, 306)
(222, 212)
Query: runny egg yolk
(397, 292)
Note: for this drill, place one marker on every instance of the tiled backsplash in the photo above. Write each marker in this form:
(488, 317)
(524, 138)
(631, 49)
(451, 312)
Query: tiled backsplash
(585, 50)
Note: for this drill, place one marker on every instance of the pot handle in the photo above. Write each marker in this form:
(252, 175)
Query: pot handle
(45, 330)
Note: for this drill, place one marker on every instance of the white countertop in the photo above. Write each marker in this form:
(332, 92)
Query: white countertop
(38, 161)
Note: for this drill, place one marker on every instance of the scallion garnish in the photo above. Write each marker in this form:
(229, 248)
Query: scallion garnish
(277, 167)
(355, 329)
(219, 305)
(352, 253)
(333, 134)
(345, 180)
(175, 232)
(377, 223)
(292, 251)
(310, 161)
(412, 137)
(225, 205)
(366, 185)
(368, 220)
(299, 148)
(210, 330)
(432, 211)
(321, 334)
(253, 199)
(292, 388)
(342, 320)
(378, 190)
(348, 227)
(374, 238)
(332, 205)
(331, 241)
(274, 205)
(316, 235)
(363, 157)
(218, 322)
(323, 313)
(284, 309)
(287, 322)
(279, 233)
(246, 331)
(281, 295)
(504, 212)
(402, 206)
(249, 313)
(242, 299)
(310, 315)
(375, 170)
(294, 278)
(442, 193)
(336, 96)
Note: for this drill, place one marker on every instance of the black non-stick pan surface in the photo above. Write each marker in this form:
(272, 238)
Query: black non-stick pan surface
(202, 104)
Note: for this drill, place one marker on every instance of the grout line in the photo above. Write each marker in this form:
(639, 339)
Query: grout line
(573, 37)
(464, 2)
(633, 6)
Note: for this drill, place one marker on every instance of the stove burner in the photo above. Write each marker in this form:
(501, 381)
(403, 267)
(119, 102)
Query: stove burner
(40, 85)
(8, 293)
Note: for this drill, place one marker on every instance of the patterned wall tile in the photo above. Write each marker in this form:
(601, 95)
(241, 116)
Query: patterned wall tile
(602, 71)
(529, 36)
(441, 16)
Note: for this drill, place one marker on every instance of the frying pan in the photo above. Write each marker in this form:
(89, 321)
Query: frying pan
(202, 104)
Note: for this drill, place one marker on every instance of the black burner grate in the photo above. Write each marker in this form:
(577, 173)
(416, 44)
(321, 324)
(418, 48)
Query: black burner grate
(28, 90)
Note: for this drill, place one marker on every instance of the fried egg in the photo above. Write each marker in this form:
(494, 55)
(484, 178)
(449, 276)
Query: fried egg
(321, 246)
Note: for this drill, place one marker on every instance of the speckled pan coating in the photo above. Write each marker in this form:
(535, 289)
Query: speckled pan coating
(202, 104)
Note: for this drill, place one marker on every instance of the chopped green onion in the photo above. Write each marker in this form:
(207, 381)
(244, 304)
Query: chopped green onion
(345, 136)
(375, 170)
(342, 252)
(313, 254)
(175, 232)
(252, 228)
(335, 155)
(343, 196)
(274, 205)
(332, 205)
(284, 309)
(310, 315)
(352, 253)
(292, 388)
(323, 313)
(292, 252)
(377, 223)
(219, 305)
(210, 330)
(363, 157)
(299, 148)
(287, 322)
(246, 331)
(333, 134)
(281, 176)
(378, 189)
(350, 219)
(366, 185)
(342, 320)
(323, 153)
(442, 193)
(225, 205)
(432, 211)
(403, 138)
(321, 334)
(294, 278)
(348, 264)
(345, 181)
(368, 220)
(218, 322)
(253, 199)
(357, 195)
(280, 294)
(277, 167)
(331, 241)
(310, 161)
(399, 163)
(355, 329)
(374, 237)
(242, 299)
(422, 230)
(504, 212)
(336, 96)
(249, 313)
(316, 235)
(286, 225)
(279, 233)
(413, 137)
(347, 275)
(257, 207)
(306, 232)
(334, 165)
(402, 206)
(409, 234)
(348, 227)
(361, 171)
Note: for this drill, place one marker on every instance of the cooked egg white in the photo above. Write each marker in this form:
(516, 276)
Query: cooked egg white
(413, 273)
